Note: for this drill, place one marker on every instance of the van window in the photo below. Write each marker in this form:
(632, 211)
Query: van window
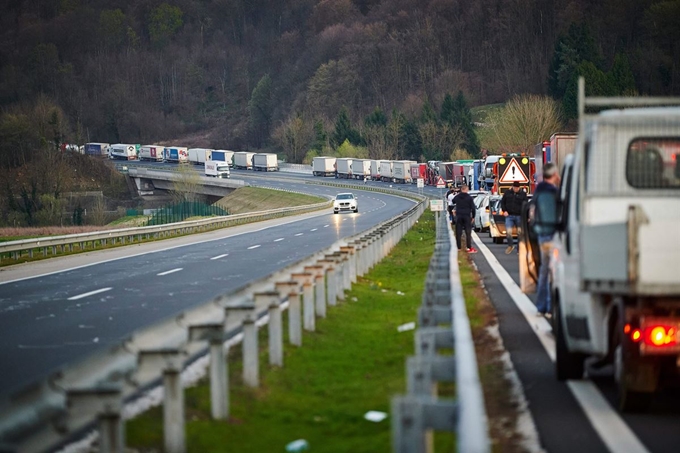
(653, 163)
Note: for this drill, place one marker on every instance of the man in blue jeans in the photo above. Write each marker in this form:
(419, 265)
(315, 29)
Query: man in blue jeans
(551, 180)
(511, 204)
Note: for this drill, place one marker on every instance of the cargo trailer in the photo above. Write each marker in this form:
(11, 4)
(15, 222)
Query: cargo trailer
(243, 160)
(265, 162)
(323, 166)
(151, 153)
(344, 166)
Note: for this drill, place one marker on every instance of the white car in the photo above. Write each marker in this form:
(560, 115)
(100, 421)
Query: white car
(482, 222)
(345, 202)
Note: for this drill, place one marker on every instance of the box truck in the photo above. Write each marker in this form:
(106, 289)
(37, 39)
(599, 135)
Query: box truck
(224, 155)
(323, 166)
(386, 171)
(243, 160)
(265, 162)
(401, 171)
(217, 169)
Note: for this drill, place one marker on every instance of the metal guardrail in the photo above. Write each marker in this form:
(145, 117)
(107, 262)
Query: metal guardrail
(444, 324)
(50, 412)
(54, 244)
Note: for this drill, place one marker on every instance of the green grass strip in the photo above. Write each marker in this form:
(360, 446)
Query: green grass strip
(353, 363)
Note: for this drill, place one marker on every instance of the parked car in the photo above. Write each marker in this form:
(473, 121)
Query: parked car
(345, 202)
(497, 220)
(482, 215)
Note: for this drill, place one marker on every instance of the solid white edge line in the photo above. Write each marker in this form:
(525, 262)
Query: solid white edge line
(254, 246)
(219, 256)
(614, 432)
(171, 271)
(91, 293)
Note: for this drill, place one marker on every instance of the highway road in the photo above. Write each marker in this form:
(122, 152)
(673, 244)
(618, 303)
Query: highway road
(50, 318)
(576, 415)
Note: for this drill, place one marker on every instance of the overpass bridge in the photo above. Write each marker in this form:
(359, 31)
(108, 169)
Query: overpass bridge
(148, 182)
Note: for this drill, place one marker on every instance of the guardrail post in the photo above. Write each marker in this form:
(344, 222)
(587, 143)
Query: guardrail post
(346, 268)
(352, 264)
(306, 279)
(340, 270)
(219, 374)
(319, 288)
(251, 357)
(291, 290)
(107, 403)
(331, 281)
(275, 325)
(172, 362)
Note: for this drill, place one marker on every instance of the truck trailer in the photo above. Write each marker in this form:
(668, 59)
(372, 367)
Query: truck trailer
(323, 166)
(265, 162)
(223, 155)
(198, 156)
(152, 153)
(176, 154)
(361, 168)
(123, 151)
(344, 166)
(97, 149)
(243, 160)
(386, 174)
(401, 171)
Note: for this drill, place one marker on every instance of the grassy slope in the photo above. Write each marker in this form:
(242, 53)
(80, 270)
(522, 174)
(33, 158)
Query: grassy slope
(249, 199)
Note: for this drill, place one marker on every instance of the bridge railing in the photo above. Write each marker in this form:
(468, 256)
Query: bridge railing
(93, 393)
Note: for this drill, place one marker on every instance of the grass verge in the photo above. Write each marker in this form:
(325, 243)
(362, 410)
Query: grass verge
(353, 363)
(249, 199)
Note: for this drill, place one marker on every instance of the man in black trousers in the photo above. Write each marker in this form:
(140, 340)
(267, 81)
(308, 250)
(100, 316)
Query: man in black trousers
(464, 212)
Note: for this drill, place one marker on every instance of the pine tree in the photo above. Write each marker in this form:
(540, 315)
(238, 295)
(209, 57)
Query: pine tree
(344, 131)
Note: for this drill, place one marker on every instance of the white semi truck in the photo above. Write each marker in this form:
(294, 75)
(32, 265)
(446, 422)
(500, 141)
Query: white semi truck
(344, 165)
(616, 259)
(151, 153)
(265, 162)
(198, 156)
(123, 151)
(361, 168)
(243, 160)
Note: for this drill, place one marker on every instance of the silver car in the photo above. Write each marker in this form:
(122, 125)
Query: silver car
(482, 216)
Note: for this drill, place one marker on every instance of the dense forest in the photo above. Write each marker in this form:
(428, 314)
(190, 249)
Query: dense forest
(395, 78)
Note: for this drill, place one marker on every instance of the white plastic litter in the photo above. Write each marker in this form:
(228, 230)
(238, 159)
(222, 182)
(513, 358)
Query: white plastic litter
(375, 416)
(400, 293)
(298, 445)
(406, 327)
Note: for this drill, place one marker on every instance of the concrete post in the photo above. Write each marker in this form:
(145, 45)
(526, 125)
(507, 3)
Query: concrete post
(346, 271)
(219, 375)
(309, 320)
(107, 403)
(351, 257)
(273, 301)
(331, 281)
(319, 288)
(251, 357)
(291, 290)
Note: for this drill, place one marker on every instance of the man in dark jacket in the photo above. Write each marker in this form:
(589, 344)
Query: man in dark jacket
(464, 212)
(511, 204)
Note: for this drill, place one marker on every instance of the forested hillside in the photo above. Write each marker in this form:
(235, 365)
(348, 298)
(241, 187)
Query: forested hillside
(282, 74)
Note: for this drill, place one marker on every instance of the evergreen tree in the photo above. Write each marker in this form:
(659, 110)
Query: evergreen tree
(260, 110)
(597, 84)
(622, 76)
(344, 131)
(458, 114)
(428, 114)
(448, 113)
(410, 140)
(320, 136)
(376, 118)
(571, 50)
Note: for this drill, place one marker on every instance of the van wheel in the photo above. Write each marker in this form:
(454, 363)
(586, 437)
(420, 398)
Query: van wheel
(628, 400)
(568, 365)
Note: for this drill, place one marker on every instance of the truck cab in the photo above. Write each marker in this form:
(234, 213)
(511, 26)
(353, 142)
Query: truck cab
(615, 266)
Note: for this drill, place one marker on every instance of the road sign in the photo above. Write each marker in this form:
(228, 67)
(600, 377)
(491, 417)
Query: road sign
(513, 173)
(436, 205)
(420, 183)
(440, 182)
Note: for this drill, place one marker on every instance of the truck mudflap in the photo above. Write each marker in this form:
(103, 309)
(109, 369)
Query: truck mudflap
(635, 257)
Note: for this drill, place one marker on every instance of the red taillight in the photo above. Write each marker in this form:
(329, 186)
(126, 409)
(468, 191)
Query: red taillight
(626, 329)
(636, 335)
(660, 336)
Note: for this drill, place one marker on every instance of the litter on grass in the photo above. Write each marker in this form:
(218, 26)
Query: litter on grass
(400, 293)
(375, 416)
(407, 326)
(298, 445)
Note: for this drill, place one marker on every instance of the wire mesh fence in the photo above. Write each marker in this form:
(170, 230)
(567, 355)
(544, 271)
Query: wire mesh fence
(181, 211)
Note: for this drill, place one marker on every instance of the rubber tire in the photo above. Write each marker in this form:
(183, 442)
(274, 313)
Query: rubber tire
(568, 365)
(356, 210)
(336, 212)
(627, 400)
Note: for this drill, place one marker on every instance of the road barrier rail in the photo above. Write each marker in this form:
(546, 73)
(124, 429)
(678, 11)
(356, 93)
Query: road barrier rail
(443, 325)
(93, 394)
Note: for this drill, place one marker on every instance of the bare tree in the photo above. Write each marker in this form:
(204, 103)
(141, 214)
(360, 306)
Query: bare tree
(523, 122)
(294, 136)
(185, 187)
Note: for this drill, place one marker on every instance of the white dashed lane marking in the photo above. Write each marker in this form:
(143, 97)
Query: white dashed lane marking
(253, 247)
(91, 293)
(172, 271)
(219, 256)
(313, 229)
(279, 239)
(299, 234)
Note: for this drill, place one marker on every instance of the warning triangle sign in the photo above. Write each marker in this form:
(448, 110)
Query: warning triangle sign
(440, 182)
(513, 173)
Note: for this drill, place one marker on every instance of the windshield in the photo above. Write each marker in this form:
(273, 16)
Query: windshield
(344, 196)
(222, 167)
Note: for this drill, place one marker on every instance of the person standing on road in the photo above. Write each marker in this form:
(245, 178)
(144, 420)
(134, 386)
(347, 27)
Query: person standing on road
(511, 204)
(464, 211)
(551, 180)
(450, 195)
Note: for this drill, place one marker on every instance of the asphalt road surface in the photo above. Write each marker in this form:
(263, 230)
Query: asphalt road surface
(49, 321)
